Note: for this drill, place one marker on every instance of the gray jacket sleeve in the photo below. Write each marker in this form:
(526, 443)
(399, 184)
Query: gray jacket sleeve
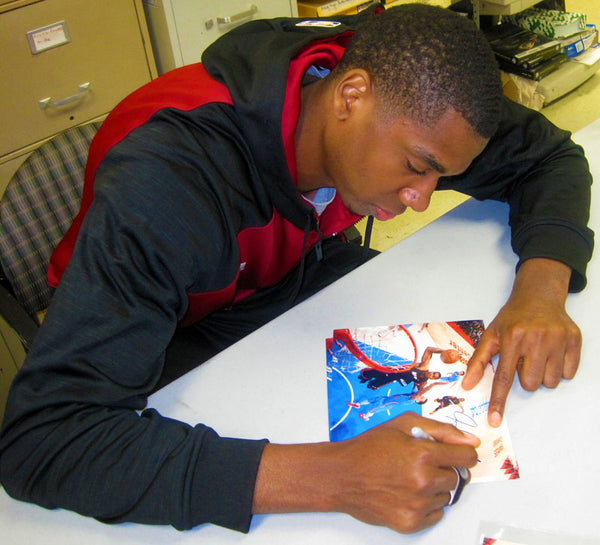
(76, 435)
(544, 177)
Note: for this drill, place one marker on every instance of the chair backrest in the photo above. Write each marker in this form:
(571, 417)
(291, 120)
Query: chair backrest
(37, 208)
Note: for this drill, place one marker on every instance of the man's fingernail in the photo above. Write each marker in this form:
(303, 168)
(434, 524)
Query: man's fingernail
(495, 419)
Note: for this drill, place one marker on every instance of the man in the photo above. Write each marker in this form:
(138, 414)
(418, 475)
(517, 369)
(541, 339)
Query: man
(418, 377)
(446, 401)
(196, 211)
(384, 402)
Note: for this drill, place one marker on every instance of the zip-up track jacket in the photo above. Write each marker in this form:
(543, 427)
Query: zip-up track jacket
(190, 205)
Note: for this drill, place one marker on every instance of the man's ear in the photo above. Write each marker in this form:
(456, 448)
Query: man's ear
(351, 91)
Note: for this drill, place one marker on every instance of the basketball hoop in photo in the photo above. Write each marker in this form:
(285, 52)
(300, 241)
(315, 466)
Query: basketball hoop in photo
(387, 349)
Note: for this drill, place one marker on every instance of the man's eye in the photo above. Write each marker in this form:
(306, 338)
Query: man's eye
(416, 170)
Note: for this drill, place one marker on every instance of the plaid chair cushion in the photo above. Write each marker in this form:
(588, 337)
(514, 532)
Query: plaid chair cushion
(37, 208)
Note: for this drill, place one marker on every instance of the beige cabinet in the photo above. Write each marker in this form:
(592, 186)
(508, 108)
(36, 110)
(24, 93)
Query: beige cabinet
(66, 62)
(182, 29)
(62, 63)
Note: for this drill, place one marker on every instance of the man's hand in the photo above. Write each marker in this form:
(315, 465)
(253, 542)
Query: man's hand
(532, 333)
(383, 476)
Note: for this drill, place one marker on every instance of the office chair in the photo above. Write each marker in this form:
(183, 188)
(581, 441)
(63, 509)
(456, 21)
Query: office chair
(37, 208)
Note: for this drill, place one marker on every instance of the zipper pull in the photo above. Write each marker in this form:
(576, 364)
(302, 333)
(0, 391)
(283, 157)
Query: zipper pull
(319, 248)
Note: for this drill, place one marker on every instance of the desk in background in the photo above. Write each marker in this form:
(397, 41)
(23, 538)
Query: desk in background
(273, 384)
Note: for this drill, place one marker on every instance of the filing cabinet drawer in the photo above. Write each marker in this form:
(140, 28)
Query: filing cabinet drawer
(81, 56)
(182, 29)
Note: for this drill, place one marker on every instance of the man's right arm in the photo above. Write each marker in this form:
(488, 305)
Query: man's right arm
(383, 477)
(74, 437)
(74, 433)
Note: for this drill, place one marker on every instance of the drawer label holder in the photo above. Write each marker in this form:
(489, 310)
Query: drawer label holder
(48, 37)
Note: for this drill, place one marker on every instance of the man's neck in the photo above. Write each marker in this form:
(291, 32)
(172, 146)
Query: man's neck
(308, 140)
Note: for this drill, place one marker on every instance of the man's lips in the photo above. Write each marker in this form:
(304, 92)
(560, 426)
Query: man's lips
(383, 215)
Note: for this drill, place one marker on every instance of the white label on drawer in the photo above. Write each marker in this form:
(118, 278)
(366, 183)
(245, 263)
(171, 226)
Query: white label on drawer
(48, 37)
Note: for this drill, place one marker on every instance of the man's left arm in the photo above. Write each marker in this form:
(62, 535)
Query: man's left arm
(544, 176)
(533, 334)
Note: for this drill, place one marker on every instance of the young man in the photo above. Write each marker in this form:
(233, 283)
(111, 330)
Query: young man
(197, 210)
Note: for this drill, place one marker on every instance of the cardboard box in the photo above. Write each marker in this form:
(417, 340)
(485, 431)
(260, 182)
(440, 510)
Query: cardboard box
(328, 8)
(439, 3)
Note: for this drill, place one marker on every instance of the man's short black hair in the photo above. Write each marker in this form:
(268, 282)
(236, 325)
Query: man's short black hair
(425, 60)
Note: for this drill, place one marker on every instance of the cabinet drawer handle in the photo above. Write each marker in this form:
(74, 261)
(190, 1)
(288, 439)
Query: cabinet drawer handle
(49, 102)
(238, 16)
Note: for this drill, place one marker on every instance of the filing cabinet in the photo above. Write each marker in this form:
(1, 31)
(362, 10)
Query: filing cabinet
(62, 63)
(66, 62)
(182, 29)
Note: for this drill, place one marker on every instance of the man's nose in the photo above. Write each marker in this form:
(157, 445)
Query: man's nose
(418, 197)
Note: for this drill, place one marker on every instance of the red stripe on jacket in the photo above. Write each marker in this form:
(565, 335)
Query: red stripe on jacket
(185, 88)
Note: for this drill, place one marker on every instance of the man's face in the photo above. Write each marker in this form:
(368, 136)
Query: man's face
(380, 168)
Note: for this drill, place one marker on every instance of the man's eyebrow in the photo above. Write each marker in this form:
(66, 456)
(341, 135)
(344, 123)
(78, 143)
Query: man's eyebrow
(430, 159)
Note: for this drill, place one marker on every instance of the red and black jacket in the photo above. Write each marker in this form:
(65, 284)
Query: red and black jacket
(267, 226)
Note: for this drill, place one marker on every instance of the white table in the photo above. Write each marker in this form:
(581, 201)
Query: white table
(459, 267)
